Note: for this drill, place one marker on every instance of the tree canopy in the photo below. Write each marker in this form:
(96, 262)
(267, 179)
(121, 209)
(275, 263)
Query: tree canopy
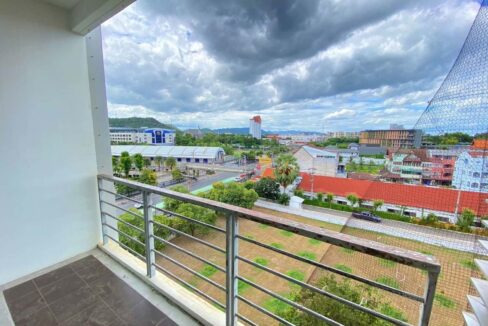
(232, 193)
(286, 169)
(267, 188)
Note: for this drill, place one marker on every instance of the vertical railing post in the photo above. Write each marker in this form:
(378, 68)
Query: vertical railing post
(102, 215)
(232, 230)
(429, 297)
(148, 232)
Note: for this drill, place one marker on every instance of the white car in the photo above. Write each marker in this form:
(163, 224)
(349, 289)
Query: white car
(138, 205)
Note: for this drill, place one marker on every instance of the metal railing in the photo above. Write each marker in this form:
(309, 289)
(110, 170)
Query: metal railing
(233, 214)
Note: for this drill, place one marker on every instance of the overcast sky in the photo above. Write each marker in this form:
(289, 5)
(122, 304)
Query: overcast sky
(305, 65)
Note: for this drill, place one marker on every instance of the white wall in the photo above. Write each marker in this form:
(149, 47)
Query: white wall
(48, 166)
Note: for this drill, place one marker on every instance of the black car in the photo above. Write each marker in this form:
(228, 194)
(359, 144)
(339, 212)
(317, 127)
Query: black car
(367, 216)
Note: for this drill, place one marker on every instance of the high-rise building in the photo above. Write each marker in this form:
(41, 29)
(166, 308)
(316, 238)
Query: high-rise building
(255, 126)
(399, 138)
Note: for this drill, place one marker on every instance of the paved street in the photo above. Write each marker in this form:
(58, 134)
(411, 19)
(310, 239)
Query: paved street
(443, 238)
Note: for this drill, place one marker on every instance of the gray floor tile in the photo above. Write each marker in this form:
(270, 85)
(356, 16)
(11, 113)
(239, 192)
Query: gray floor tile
(19, 290)
(72, 303)
(42, 317)
(28, 304)
(143, 314)
(98, 314)
(62, 287)
(53, 276)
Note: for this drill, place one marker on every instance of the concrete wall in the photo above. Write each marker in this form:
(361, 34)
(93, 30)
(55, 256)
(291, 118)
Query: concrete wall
(48, 160)
(321, 166)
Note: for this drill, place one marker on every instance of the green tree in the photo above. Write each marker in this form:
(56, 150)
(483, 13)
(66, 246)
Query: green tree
(228, 149)
(284, 199)
(377, 203)
(267, 188)
(320, 197)
(466, 219)
(147, 162)
(170, 163)
(330, 197)
(353, 199)
(125, 163)
(159, 161)
(148, 177)
(286, 169)
(138, 161)
(232, 193)
(331, 308)
(115, 165)
(176, 174)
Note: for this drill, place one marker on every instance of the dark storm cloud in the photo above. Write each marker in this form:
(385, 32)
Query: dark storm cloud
(280, 58)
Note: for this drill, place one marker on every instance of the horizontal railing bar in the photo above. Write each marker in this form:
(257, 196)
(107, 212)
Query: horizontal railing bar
(124, 234)
(124, 222)
(246, 320)
(122, 209)
(190, 236)
(264, 311)
(203, 260)
(291, 303)
(188, 269)
(188, 219)
(338, 271)
(123, 196)
(138, 255)
(402, 256)
(164, 270)
(325, 293)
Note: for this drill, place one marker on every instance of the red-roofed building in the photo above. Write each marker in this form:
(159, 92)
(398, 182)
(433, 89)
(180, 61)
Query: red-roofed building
(413, 200)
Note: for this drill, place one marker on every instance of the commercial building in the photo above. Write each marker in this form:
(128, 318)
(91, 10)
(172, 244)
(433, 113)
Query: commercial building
(420, 166)
(182, 154)
(398, 138)
(343, 134)
(255, 126)
(317, 161)
(153, 136)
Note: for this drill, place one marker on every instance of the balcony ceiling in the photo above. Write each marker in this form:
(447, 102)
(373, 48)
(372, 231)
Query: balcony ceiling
(86, 15)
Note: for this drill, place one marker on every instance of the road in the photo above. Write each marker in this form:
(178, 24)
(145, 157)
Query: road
(442, 238)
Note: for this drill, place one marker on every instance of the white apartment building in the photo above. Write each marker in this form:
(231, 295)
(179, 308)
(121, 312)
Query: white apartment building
(317, 161)
(471, 171)
(152, 136)
(344, 134)
(255, 126)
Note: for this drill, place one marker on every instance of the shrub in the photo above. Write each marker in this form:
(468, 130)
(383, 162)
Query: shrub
(267, 188)
(343, 268)
(284, 199)
(466, 219)
(320, 196)
(261, 261)
(307, 255)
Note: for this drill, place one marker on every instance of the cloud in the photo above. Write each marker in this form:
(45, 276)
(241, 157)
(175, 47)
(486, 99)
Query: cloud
(216, 63)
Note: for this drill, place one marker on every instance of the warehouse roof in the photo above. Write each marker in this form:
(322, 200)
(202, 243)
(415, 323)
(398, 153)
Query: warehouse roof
(167, 151)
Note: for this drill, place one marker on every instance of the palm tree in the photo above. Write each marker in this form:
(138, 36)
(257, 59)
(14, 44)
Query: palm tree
(170, 163)
(159, 161)
(377, 204)
(353, 199)
(286, 170)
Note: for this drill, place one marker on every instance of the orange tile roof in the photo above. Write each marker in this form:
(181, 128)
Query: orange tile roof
(439, 199)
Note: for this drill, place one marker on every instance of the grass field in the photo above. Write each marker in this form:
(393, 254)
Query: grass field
(457, 268)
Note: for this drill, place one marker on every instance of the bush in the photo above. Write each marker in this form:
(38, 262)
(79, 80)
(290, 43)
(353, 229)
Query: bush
(284, 199)
(267, 188)
(320, 196)
(466, 219)
(232, 193)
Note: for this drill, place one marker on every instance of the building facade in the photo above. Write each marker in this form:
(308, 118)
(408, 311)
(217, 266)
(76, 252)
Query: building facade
(471, 171)
(317, 161)
(182, 154)
(152, 136)
(255, 126)
(343, 134)
(399, 138)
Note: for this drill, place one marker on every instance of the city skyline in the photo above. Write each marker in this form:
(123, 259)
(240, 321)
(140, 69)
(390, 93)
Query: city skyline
(283, 68)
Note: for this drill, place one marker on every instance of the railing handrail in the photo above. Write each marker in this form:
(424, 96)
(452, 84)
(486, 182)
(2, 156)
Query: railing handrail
(399, 255)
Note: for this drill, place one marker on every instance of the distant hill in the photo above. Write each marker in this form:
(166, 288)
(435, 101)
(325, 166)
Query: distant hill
(136, 122)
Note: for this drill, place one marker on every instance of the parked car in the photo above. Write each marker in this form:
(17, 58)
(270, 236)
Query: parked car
(365, 215)
(138, 205)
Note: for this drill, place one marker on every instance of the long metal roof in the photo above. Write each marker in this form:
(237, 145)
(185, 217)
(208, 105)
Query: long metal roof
(167, 151)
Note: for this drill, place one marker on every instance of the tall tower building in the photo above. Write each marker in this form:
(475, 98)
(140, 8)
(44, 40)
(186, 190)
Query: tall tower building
(255, 126)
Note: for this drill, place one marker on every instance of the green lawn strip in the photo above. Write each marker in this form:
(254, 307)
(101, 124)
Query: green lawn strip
(208, 270)
(243, 286)
(388, 281)
(343, 268)
(347, 251)
(470, 264)
(308, 255)
(263, 226)
(444, 301)
(277, 306)
(286, 233)
(250, 237)
(261, 261)
(314, 242)
(391, 311)
(386, 262)
(277, 245)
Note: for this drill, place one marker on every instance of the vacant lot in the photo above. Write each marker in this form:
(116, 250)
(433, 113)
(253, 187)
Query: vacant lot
(457, 268)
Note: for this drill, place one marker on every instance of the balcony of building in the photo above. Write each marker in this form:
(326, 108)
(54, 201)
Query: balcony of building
(65, 258)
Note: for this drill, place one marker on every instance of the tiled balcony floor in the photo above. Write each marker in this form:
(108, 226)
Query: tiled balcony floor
(84, 292)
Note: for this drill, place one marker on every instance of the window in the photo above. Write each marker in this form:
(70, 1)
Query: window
(188, 159)
(474, 185)
(197, 160)
(179, 159)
